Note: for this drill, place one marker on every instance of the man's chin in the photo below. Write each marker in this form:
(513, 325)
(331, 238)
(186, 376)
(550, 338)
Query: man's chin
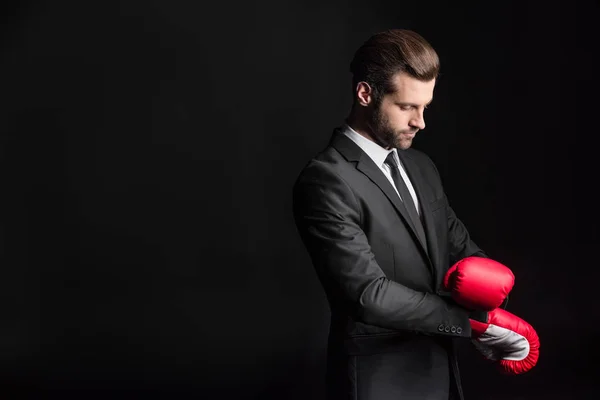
(403, 144)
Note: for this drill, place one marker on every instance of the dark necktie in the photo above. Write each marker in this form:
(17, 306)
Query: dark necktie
(405, 195)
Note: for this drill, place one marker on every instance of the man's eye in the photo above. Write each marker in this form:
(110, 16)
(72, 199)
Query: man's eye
(405, 108)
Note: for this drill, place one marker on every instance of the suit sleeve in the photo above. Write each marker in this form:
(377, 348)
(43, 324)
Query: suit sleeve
(327, 216)
(460, 243)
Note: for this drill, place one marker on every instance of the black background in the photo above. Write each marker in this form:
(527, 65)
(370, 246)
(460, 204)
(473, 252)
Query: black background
(148, 153)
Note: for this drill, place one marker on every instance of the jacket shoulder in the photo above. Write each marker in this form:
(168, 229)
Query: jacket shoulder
(419, 156)
(327, 162)
(423, 160)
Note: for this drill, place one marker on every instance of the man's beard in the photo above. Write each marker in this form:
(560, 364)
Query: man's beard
(383, 133)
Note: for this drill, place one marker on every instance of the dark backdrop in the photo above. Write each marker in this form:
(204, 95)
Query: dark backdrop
(148, 153)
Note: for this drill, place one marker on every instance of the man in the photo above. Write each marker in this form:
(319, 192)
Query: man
(381, 234)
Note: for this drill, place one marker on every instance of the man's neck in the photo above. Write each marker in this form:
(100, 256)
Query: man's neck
(362, 128)
(359, 126)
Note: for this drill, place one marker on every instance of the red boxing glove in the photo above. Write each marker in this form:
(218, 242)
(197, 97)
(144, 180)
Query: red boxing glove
(478, 283)
(506, 338)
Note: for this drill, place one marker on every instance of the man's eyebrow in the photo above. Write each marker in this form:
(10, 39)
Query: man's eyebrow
(413, 104)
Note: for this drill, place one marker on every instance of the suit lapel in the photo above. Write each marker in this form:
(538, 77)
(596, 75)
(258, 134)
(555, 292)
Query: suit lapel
(414, 174)
(353, 152)
(368, 167)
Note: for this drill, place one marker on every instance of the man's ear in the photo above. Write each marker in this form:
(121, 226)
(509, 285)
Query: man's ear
(364, 94)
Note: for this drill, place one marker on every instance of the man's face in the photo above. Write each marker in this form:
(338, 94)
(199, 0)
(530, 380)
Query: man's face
(399, 116)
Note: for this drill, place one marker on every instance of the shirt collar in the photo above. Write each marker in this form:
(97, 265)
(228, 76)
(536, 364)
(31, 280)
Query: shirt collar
(377, 153)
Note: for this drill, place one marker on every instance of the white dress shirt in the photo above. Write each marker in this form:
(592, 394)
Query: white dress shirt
(378, 154)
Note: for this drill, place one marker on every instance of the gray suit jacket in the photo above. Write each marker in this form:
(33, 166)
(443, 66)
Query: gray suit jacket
(382, 282)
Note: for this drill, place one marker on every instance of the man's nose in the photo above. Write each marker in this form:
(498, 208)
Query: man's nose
(418, 121)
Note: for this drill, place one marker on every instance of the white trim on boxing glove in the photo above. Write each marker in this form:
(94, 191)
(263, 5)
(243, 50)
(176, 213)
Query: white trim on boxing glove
(498, 343)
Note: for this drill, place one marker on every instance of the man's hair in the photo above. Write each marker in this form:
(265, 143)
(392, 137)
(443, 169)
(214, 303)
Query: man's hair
(389, 52)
